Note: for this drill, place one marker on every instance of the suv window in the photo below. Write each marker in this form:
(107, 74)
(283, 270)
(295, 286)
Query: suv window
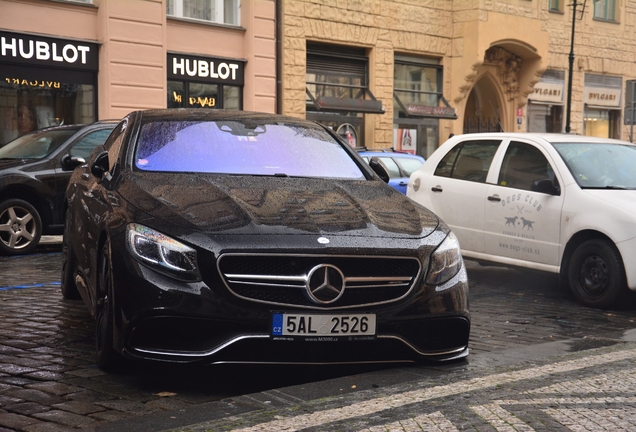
(88, 142)
(469, 160)
(522, 165)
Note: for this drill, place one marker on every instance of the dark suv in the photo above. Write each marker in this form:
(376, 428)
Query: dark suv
(34, 172)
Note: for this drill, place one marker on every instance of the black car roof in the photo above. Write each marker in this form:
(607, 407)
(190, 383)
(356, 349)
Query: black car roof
(197, 114)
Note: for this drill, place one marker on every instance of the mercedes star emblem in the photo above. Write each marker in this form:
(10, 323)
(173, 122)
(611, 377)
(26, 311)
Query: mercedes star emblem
(325, 283)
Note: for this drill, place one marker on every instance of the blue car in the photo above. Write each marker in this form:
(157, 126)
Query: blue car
(400, 165)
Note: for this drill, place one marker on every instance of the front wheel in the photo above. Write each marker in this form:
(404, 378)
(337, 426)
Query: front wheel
(69, 265)
(20, 227)
(596, 274)
(107, 358)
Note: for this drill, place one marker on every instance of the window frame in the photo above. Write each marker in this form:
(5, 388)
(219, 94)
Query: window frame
(555, 6)
(219, 11)
(606, 7)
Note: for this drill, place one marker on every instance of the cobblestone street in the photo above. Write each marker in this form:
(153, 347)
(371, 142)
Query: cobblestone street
(538, 361)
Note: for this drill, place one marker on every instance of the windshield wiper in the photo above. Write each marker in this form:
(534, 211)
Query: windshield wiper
(611, 187)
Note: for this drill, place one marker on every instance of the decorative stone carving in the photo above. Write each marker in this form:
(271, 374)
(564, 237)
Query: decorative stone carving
(508, 65)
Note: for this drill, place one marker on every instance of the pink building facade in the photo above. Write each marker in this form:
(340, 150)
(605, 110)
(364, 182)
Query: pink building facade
(80, 61)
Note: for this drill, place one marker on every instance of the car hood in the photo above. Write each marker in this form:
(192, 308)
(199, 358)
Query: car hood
(274, 205)
(12, 163)
(622, 199)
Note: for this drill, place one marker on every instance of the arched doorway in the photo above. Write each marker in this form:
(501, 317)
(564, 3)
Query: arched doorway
(483, 111)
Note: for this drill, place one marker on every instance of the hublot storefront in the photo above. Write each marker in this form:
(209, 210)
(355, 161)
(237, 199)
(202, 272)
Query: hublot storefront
(45, 81)
(205, 82)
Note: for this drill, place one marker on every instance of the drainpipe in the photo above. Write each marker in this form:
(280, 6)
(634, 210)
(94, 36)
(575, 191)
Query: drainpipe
(279, 60)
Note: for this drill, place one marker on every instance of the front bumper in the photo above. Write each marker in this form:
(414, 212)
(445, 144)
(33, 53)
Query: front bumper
(159, 318)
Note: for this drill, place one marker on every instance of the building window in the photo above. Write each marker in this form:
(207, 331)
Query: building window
(337, 90)
(605, 10)
(417, 82)
(217, 11)
(555, 5)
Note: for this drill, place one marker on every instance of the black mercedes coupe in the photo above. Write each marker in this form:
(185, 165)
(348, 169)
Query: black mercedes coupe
(212, 236)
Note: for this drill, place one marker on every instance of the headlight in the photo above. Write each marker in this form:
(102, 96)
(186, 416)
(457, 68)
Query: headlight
(162, 253)
(445, 262)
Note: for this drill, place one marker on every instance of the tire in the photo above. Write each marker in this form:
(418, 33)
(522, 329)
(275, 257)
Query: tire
(107, 358)
(69, 266)
(20, 227)
(597, 275)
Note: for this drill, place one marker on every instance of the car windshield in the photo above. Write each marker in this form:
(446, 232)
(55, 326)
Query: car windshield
(600, 166)
(238, 147)
(409, 165)
(36, 145)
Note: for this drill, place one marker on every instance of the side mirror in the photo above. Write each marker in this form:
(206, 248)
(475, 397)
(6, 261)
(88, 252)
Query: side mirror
(379, 168)
(69, 162)
(545, 186)
(100, 165)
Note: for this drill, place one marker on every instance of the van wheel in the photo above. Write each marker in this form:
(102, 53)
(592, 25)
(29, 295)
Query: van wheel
(596, 275)
(20, 227)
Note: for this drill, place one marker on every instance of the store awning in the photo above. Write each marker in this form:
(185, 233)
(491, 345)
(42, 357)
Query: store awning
(413, 110)
(358, 104)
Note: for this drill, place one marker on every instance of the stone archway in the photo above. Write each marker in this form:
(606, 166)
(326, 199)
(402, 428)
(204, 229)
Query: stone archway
(483, 110)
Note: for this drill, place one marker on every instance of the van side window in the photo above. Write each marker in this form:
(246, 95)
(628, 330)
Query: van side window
(469, 160)
(522, 165)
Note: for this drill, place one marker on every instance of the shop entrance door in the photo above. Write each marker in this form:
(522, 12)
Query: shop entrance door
(415, 138)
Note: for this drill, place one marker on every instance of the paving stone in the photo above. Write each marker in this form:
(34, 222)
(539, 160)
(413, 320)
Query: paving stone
(6, 400)
(17, 381)
(45, 375)
(13, 369)
(128, 406)
(64, 417)
(53, 387)
(168, 404)
(111, 416)
(78, 407)
(15, 421)
(48, 427)
(85, 372)
(27, 408)
(37, 396)
(89, 396)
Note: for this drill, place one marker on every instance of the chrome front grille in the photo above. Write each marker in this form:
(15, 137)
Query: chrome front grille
(281, 279)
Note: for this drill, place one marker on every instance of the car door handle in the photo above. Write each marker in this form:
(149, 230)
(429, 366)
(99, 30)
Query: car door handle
(404, 183)
(494, 198)
(437, 188)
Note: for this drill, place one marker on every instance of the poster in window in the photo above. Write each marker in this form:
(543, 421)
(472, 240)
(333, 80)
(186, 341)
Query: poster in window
(405, 140)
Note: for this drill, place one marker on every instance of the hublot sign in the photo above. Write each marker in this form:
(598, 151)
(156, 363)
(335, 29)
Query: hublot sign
(205, 69)
(35, 50)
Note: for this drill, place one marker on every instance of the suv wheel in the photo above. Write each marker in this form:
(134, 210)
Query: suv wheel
(20, 227)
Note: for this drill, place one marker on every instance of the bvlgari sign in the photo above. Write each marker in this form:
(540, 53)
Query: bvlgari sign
(36, 50)
(205, 69)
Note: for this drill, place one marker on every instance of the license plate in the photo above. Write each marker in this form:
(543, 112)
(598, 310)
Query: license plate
(323, 325)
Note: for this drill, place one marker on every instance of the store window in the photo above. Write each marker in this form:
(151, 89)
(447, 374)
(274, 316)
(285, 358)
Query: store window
(203, 82)
(545, 104)
(338, 94)
(602, 97)
(217, 11)
(602, 123)
(45, 82)
(605, 10)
